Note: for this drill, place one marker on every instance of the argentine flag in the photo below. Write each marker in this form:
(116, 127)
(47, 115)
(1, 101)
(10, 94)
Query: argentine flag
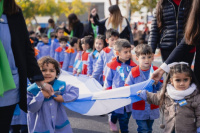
(93, 100)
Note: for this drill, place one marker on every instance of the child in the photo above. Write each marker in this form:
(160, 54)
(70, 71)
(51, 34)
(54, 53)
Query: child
(53, 37)
(44, 47)
(47, 113)
(106, 54)
(70, 55)
(77, 60)
(60, 51)
(100, 43)
(87, 46)
(179, 100)
(116, 73)
(55, 44)
(142, 112)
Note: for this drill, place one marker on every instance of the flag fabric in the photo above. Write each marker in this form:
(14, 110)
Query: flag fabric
(93, 100)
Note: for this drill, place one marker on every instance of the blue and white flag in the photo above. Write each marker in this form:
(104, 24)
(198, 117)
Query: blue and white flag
(93, 100)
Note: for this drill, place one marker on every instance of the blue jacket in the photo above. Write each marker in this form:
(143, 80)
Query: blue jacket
(105, 56)
(92, 59)
(54, 46)
(69, 58)
(59, 55)
(142, 110)
(48, 115)
(44, 49)
(116, 73)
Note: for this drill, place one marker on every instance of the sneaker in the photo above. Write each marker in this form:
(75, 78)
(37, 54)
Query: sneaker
(113, 127)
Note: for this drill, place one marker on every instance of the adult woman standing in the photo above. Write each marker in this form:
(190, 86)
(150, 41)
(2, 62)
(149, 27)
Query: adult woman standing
(167, 29)
(17, 62)
(115, 21)
(51, 27)
(76, 28)
(91, 28)
(190, 41)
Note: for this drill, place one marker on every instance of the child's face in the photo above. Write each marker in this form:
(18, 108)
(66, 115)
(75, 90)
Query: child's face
(60, 33)
(124, 54)
(85, 46)
(145, 61)
(45, 40)
(180, 81)
(76, 46)
(111, 40)
(63, 44)
(49, 72)
(99, 44)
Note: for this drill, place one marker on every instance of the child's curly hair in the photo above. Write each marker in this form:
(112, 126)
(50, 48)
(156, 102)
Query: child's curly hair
(46, 60)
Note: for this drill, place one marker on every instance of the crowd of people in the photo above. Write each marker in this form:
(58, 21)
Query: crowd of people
(102, 50)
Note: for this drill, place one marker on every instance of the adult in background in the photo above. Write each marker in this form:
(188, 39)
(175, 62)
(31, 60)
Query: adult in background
(51, 27)
(190, 41)
(75, 28)
(91, 28)
(115, 21)
(167, 28)
(17, 62)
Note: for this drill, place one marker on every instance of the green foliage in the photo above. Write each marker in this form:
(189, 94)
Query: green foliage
(32, 8)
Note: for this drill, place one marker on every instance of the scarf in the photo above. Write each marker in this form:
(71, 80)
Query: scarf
(179, 95)
(71, 33)
(6, 78)
(94, 29)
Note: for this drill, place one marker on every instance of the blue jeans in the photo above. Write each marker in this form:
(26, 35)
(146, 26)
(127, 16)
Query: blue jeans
(144, 126)
(123, 120)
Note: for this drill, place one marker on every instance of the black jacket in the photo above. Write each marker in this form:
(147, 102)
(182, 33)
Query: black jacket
(88, 30)
(23, 55)
(172, 29)
(180, 53)
(126, 33)
(78, 30)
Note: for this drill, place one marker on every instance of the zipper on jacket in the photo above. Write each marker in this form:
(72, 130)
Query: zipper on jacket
(176, 20)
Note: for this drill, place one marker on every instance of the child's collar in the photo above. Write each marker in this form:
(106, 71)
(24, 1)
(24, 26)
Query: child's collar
(127, 62)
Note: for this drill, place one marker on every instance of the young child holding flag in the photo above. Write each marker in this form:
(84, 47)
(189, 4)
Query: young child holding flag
(46, 113)
(116, 73)
(142, 112)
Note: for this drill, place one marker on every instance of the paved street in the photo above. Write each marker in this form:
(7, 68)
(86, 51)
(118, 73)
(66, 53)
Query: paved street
(99, 124)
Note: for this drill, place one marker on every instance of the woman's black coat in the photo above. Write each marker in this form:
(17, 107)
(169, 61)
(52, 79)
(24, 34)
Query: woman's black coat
(172, 29)
(78, 30)
(23, 55)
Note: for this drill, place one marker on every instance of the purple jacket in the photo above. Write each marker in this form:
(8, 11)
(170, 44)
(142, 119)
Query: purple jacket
(54, 46)
(116, 73)
(44, 50)
(105, 56)
(48, 115)
(142, 110)
(69, 58)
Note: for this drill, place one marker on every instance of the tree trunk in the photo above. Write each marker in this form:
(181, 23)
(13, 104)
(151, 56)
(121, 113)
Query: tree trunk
(117, 2)
(110, 2)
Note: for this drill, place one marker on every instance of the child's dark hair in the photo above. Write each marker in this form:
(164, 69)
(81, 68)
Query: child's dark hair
(31, 33)
(89, 40)
(44, 35)
(111, 32)
(46, 60)
(179, 68)
(79, 44)
(64, 39)
(101, 37)
(73, 40)
(59, 28)
(53, 34)
(121, 43)
(143, 49)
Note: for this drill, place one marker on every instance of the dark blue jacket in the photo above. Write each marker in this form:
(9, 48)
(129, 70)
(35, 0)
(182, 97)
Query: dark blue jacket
(172, 29)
